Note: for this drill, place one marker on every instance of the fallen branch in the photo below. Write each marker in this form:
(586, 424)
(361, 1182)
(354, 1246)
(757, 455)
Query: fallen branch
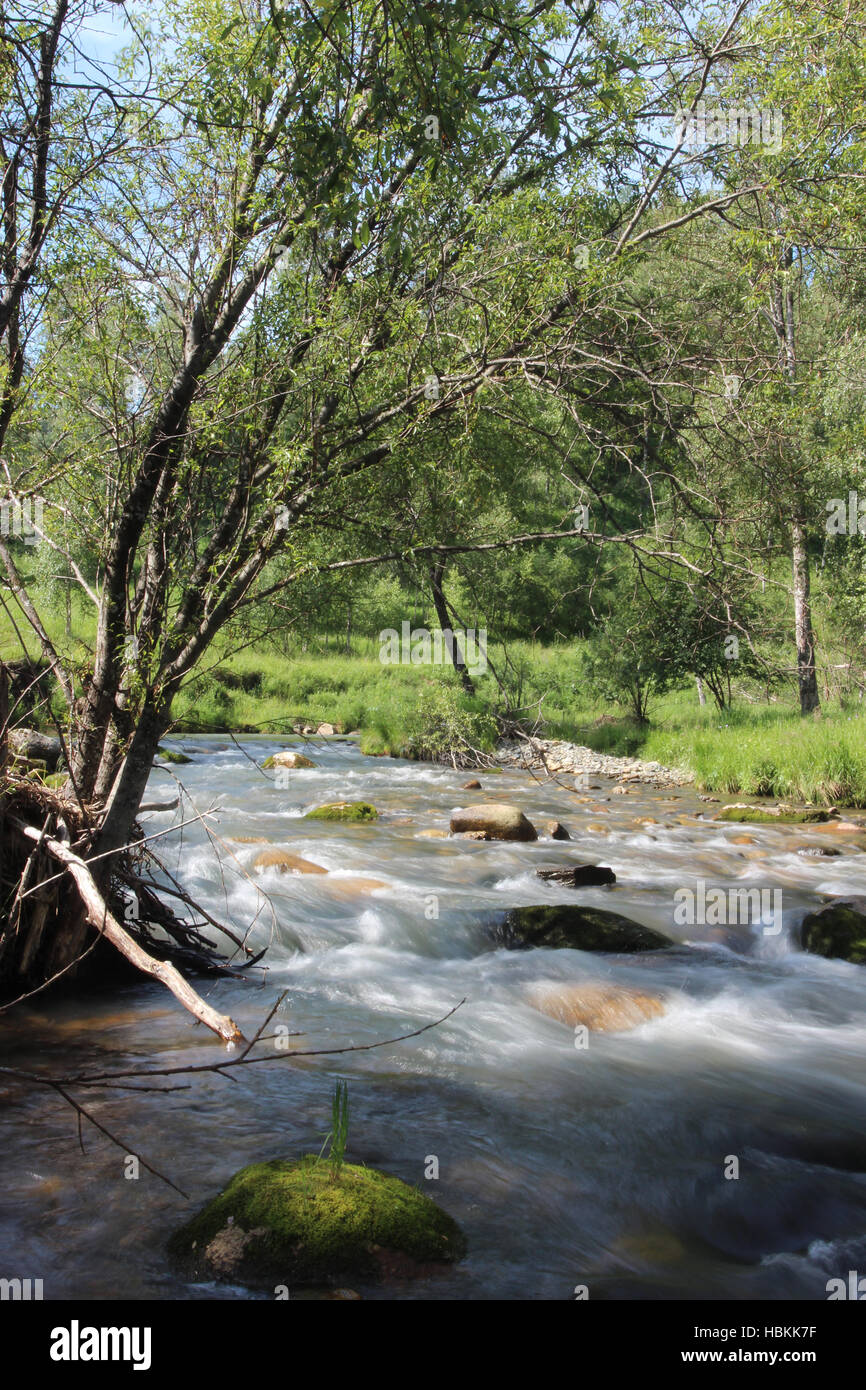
(101, 918)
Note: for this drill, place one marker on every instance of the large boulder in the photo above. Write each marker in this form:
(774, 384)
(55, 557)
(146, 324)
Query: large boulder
(30, 745)
(577, 927)
(299, 1222)
(288, 758)
(599, 1007)
(495, 821)
(837, 930)
(360, 811)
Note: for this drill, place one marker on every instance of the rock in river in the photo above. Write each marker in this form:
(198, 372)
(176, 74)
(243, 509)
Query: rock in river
(577, 927)
(344, 811)
(837, 930)
(288, 758)
(286, 863)
(601, 1007)
(296, 1222)
(579, 875)
(496, 821)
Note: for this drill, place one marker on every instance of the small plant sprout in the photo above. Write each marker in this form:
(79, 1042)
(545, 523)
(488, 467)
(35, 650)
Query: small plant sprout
(339, 1134)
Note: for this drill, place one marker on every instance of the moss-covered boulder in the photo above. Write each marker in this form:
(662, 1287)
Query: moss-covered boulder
(577, 927)
(344, 811)
(837, 930)
(169, 755)
(779, 815)
(295, 1222)
(288, 758)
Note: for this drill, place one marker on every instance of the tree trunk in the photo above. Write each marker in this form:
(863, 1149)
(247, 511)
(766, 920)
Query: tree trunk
(128, 790)
(806, 675)
(437, 575)
(702, 699)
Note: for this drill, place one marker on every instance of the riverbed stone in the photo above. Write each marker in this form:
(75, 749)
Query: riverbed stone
(473, 786)
(296, 1222)
(555, 829)
(578, 875)
(288, 757)
(353, 811)
(837, 930)
(772, 815)
(171, 755)
(286, 863)
(602, 1008)
(578, 928)
(497, 821)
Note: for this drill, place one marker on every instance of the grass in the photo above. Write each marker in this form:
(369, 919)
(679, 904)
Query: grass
(754, 749)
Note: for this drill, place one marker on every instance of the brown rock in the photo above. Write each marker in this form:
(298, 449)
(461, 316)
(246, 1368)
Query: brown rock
(286, 863)
(601, 1008)
(555, 829)
(326, 730)
(353, 887)
(499, 822)
(473, 786)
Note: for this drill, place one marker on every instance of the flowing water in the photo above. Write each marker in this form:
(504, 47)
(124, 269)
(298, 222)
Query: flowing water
(601, 1166)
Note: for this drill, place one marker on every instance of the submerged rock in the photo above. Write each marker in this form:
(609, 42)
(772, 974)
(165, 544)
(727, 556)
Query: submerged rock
(579, 875)
(296, 1222)
(473, 786)
(576, 927)
(601, 1008)
(170, 755)
(288, 758)
(778, 815)
(837, 931)
(495, 821)
(344, 811)
(286, 863)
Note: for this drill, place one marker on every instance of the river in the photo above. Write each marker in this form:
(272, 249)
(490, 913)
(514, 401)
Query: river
(599, 1168)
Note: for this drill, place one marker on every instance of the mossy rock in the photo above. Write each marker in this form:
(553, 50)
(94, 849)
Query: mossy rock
(760, 814)
(578, 928)
(294, 1222)
(837, 931)
(288, 758)
(56, 779)
(168, 755)
(345, 811)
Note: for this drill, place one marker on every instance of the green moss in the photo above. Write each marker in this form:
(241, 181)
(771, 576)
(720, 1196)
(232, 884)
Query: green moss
(837, 931)
(580, 928)
(759, 815)
(55, 779)
(344, 811)
(170, 756)
(310, 1227)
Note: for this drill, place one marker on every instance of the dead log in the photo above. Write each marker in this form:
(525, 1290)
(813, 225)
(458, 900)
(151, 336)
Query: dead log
(99, 916)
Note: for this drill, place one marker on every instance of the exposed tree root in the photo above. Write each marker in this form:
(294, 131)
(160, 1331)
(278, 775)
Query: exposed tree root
(53, 900)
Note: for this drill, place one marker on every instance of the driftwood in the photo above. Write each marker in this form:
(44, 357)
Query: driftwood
(99, 916)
